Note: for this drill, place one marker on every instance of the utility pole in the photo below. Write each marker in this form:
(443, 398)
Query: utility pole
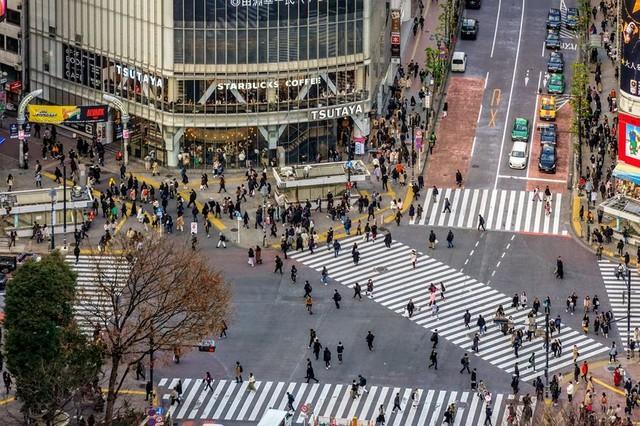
(546, 354)
(151, 368)
(64, 198)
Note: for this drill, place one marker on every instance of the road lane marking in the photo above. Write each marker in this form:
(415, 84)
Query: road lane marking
(513, 81)
(495, 31)
(479, 114)
(486, 79)
(473, 145)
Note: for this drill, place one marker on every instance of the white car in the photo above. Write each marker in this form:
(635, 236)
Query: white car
(459, 62)
(519, 155)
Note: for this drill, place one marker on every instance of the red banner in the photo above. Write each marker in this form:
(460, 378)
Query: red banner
(629, 139)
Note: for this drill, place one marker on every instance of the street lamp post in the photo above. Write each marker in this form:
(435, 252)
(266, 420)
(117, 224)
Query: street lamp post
(52, 194)
(628, 312)
(64, 198)
(21, 120)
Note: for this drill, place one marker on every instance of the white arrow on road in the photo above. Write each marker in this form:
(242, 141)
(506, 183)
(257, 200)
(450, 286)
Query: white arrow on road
(526, 78)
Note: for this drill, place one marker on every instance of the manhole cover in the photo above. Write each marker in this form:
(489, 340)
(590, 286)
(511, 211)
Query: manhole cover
(474, 166)
(233, 229)
(380, 269)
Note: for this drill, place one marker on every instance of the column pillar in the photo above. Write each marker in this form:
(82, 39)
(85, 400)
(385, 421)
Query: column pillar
(172, 137)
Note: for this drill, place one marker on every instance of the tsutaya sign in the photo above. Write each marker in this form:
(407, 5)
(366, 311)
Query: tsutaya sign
(139, 76)
(336, 112)
(267, 84)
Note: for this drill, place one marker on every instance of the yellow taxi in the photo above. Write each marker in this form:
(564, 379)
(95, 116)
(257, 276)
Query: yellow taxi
(548, 108)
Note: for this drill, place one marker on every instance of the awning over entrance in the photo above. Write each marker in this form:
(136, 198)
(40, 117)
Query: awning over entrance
(626, 172)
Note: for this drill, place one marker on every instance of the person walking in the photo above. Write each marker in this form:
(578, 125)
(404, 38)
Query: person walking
(362, 383)
(357, 291)
(466, 318)
(279, 265)
(251, 386)
(307, 289)
(396, 403)
(433, 359)
(326, 357)
(447, 205)
(208, 380)
(311, 375)
(584, 370)
(481, 223)
(308, 303)
(370, 337)
(336, 298)
(450, 239)
(340, 352)
(238, 372)
(476, 343)
(290, 400)
(410, 308)
(432, 239)
(317, 346)
(559, 268)
(465, 364)
(532, 361)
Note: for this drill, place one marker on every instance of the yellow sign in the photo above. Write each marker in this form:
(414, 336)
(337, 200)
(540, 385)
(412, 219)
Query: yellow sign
(52, 114)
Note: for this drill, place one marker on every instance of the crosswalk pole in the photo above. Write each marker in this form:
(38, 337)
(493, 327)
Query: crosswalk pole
(628, 312)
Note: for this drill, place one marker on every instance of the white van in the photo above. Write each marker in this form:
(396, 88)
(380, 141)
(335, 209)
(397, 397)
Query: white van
(459, 62)
(275, 417)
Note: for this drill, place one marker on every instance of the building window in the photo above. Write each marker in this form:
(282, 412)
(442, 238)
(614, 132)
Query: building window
(78, 39)
(12, 44)
(45, 60)
(2, 41)
(13, 17)
(52, 31)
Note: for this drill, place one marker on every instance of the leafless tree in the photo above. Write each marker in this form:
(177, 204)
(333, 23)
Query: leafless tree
(150, 295)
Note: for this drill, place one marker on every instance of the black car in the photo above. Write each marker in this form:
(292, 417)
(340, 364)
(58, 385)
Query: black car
(553, 40)
(469, 29)
(554, 19)
(547, 160)
(8, 264)
(548, 134)
(571, 21)
(555, 62)
(473, 4)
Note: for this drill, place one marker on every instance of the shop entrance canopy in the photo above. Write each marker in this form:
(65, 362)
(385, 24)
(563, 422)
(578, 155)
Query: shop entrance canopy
(626, 172)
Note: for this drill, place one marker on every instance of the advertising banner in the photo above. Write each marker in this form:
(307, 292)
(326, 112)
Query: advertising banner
(630, 48)
(629, 139)
(56, 114)
(3, 10)
(395, 36)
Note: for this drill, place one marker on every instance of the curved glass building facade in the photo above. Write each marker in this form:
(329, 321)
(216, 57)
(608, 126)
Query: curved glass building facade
(232, 81)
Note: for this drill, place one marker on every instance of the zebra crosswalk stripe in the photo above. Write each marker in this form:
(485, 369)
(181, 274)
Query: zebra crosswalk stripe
(94, 273)
(397, 282)
(232, 402)
(617, 292)
(502, 210)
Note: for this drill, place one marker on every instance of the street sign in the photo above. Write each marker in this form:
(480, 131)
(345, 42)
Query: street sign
(13, 131)
(125, 133)
(194, 227)
(20, 134)
(348, 165)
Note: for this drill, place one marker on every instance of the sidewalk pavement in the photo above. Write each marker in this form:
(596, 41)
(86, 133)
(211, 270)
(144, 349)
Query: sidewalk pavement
(582, 228)
(602, 373)
(23, 179)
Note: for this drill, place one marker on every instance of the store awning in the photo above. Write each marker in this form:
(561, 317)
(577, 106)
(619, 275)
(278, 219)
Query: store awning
(626, 172)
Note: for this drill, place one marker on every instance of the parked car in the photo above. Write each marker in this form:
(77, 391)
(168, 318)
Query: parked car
(547, 160)
(548, 134)
(548, 108)
(8, 264)
(554, 19)
(572, 19)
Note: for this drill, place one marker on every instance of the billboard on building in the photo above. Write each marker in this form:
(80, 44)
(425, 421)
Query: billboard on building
(630, 48)
(629, 139)
(56, 114)
(395, 36)
(3, 10)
